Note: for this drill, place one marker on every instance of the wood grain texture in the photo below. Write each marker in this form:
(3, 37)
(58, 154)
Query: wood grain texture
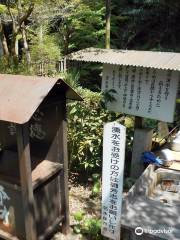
(26, 181)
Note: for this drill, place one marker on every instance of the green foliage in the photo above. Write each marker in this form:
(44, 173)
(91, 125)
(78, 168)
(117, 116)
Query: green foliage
(78, 216)
(80, 25)
(71, 78)
(151, 123)
(129, 123)
(47, 50)
(85, 121)
(90, 227)
(8, 66)
(96, 184)
(90, 76)
(85, 129)
(146, 24)
(76, 24)
(2, 9)
(96, 188)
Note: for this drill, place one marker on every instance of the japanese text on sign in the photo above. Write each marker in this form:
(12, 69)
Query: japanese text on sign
(112, 181)
(35, 129)
(143, 92)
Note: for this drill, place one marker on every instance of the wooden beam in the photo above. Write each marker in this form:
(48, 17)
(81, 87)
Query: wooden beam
(63, 155)
(7, 236)
(51, 229)
(26, 181)
(108, 23)
(142, 142)
(139, 122)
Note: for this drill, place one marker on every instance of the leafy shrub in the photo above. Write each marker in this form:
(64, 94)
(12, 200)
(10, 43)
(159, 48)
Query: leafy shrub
(2, 9)
(8, 66)
(90, 227)
(47, 50)
(85, 132)
(96, 184)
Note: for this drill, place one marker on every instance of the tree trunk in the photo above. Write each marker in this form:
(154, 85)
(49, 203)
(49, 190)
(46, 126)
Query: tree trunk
(66, 39)
(41, 34)
(5, 46)
(13, 47)
(17, 47)
(13, 51)
(4, 41)
(108, 23)
(66, 46)
(26, 47)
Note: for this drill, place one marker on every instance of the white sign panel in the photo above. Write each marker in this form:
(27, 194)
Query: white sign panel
(112, 179)
(143, 92)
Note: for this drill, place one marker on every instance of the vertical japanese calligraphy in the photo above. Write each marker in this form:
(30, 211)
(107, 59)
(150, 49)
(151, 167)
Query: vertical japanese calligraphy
(152, 90)
(112, 181)
(35, 129)
(144, 92)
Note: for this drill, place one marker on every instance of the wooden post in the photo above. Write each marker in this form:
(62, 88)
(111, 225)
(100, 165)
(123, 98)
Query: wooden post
(65, 65)
(108, 23)
(26, 181)
(139, 122)
(142, 142)
(64, 174)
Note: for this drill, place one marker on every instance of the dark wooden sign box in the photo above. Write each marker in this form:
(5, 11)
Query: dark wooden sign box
(33, 156)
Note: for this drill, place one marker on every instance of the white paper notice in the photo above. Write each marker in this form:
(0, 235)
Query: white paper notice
(143, 92)
(112, 180)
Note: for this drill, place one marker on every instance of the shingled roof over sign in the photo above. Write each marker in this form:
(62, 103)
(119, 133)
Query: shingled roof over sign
(148, 59)
(20, 96)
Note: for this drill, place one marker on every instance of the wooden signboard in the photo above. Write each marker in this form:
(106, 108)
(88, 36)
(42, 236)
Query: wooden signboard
(143, 92)
(112, 180)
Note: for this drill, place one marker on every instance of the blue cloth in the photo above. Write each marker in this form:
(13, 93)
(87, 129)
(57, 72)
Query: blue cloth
(150, 158)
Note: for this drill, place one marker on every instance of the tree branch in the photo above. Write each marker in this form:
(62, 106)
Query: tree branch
(27, 14)
(9, 11)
